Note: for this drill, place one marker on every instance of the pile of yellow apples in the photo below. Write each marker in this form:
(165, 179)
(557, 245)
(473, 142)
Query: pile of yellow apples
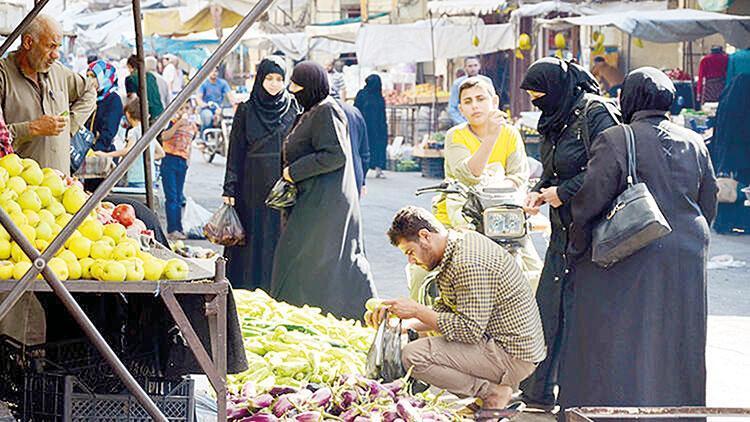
(42, 201)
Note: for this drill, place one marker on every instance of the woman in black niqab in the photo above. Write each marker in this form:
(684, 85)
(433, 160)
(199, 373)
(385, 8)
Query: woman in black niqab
(253, 166)
(371, 103)
(320, 260)
(646, 88)
(567, 96)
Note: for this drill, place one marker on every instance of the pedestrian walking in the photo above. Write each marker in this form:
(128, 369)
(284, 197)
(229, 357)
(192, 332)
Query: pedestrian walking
(253, 166)
(371, 103)
(108, 114)
(572, 113)
(636, 332)
(320, 258)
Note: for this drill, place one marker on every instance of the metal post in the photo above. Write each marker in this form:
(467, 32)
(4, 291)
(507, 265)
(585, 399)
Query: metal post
(630, 50)
(143, 94)
(38, 6)
(434, 77)
(40, 264)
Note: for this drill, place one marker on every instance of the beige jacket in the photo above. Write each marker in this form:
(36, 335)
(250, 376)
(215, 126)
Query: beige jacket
(23, 101)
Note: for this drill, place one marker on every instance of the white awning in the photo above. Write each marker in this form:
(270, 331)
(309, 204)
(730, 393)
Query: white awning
(464, 7)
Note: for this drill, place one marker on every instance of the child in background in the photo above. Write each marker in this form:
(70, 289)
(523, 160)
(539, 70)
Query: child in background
(136, 174)
(176, 140)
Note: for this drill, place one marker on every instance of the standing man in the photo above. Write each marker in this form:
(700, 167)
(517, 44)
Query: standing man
(214, 92)
(172, 73)
(610, 78)
(336, 80)
(472, 66)
(489, 331)
(44, 102)
(155, 106)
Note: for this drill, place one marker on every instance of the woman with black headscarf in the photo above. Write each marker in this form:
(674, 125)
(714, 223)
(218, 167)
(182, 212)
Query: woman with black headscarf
(371, 103)
(730, 151)
(636, 333)
(572, 115)
(253, 166)
(320, 260)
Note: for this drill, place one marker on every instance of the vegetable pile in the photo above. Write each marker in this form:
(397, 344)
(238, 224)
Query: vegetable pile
(290, 346)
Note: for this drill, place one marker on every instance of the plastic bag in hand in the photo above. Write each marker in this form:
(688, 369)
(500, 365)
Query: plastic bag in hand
(225, 228)
(384, 356)
(283, 195)
(194, 219)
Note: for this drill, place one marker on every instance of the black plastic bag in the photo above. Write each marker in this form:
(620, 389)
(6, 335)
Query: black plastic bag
(225, 227)
(283, 195)
(384, 356)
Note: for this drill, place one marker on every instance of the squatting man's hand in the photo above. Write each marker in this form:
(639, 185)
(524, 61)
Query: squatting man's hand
(416, 316)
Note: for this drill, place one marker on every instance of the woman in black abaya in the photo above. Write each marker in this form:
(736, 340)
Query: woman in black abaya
(371, 103)
(253, 166)
(320, 259)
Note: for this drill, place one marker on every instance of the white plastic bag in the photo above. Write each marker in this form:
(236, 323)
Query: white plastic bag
(194, 219)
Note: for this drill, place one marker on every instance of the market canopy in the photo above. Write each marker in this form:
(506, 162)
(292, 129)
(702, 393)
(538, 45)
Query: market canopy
(344, 30)
(674, 25)
(416, 42)
(465, 7)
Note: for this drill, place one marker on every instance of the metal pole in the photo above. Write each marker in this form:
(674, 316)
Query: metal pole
(434, 76)
(40, 263)
(630, 49)
(143, 94)
(38, 6)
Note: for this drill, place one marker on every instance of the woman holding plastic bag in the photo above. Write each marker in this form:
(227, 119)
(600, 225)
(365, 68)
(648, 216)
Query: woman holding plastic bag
(320, 259)
(253, 166)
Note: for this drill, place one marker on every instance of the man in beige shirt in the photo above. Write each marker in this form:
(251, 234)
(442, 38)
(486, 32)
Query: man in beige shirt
(43, 101)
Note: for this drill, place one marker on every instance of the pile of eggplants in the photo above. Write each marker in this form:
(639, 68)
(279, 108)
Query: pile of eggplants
(352, 398)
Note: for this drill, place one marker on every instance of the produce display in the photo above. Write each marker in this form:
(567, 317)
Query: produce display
(419, 93)
(304, 366)
(105, 247)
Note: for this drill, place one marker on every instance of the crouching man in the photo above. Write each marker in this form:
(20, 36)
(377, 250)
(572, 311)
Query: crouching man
(489, 331)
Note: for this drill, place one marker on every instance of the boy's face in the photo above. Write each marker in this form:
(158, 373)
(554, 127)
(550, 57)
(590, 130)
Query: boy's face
(476, 104)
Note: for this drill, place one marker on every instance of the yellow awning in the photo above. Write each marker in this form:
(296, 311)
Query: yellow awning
(167, 22)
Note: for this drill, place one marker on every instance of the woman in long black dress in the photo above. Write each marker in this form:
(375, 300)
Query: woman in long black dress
(320, 259)
(572, 114)
(636, 333)
(371, 103)
(253, 166)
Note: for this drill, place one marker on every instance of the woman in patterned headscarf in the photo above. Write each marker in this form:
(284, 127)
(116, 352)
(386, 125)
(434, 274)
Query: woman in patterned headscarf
(106, 118)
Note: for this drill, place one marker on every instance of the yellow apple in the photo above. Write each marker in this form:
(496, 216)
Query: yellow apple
(116, 231)
(67, 256)
(95, 269)
(59, 267)
(176, 269)
(76, 234)
(63, 219)
(153, 269)
(109, 241)
(124, 251)
(101, 249)
(4, 176)
(29, 200)
(56, 208)
(86, 268)
(113, 271)
(17, 254)
(33, 175)
(92, 229)
(4, 249)
(75, 271)
(17, 184)
(73, 199)
(20, 268)
(47, 217)
(19, 218)
(45, 195)
(12, 163)
(135, 271)
(41, 245)
(29, 232)
(56, 229)
(28, 163)
(55, 184)
(6, 270)
(11, 206)
(80, 246)
(32, 217)
(4, 233)
(44, 231)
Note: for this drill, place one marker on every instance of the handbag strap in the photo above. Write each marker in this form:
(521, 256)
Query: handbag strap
(630, 144)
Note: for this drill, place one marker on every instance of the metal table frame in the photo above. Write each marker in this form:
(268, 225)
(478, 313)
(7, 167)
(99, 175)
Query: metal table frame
(216, 371)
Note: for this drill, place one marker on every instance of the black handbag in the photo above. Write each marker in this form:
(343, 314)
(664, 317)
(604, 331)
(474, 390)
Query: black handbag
(633, 221)
(283, 195)
(80, 144)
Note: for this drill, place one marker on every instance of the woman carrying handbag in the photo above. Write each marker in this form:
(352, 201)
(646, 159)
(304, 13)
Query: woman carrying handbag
(636, 333)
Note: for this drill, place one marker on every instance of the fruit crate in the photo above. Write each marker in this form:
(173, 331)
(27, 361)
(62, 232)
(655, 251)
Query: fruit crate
(56, 398)
(433, 168)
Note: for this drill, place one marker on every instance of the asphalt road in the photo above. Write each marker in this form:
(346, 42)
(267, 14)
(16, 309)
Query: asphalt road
(728, 348)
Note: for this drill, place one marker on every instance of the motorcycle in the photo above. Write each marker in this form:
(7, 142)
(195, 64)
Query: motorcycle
(215, 140)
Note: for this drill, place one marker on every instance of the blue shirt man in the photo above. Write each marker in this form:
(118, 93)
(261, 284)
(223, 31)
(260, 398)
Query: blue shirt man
(213, 90)
(472, 66)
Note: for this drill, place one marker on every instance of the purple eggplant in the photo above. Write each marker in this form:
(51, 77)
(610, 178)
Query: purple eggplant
(283, 405)
(237, 412)
(280, 391)
(321, 397)
(261, 417)
(350, 415)
(302, 396)
(395, 386)
(347, 398)
(248, 390)
(390, 416)
(262, 401)
(362, 419)
(407, 411)
(308, 417)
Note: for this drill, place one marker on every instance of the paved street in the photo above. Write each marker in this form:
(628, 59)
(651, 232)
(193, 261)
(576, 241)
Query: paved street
(728, 289)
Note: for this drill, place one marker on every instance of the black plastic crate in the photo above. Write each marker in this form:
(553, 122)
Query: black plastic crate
(433, 167)
(12, 370)
(57, 398)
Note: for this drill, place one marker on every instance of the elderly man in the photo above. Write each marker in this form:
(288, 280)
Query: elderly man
(490, 333)
(43, 101)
